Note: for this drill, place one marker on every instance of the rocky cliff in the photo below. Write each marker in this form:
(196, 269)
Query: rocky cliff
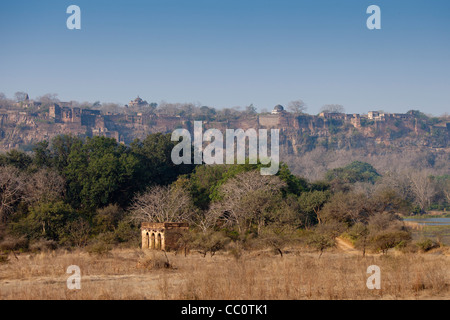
(298, 133)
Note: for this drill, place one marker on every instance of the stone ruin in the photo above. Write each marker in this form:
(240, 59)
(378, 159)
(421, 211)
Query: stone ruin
(162, 236)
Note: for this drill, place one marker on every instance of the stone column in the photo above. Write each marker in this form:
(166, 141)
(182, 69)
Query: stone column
(145, 240)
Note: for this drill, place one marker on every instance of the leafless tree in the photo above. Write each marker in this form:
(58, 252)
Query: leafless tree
(333, 108)
(4, 102)
(111, 107)
(162, 204)
(208, 219)
(446, 190)
(399, 182)
(48, 98)
(20, 96)
(297, 106)
(246, 198)
(78, 232)
(423, 187)
(45, 185)
(12, 186)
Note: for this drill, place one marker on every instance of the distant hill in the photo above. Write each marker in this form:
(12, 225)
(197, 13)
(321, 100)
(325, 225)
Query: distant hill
(300, 133)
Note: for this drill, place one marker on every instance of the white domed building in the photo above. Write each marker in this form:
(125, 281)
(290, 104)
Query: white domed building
(278, 109)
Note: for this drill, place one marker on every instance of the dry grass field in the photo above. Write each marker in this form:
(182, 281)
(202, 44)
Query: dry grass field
(299, 274)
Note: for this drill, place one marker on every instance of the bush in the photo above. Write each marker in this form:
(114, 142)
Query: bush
(156, 260)
(320, 241)
(98, 248)
(236, 250)
(108, 218)
(10, 243)
(101, 245)
(427, 244)
(76, 233)
(385, 240)
(209, 242)
(43, 245)
(277, 238)
(127, 233)
(3, 258)
(409, 247)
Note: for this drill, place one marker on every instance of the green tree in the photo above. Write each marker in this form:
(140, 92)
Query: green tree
(312, 203)
(61, 147)
(100, 172)
(357, 171)
(45, 220)
(295, 185)
(42, 154)
(16, 158)
(155, 162)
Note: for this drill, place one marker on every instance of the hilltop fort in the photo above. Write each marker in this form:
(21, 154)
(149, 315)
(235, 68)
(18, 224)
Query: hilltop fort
(29, 122)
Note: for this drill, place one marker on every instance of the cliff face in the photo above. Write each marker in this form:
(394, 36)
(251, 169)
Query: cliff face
(298, 133)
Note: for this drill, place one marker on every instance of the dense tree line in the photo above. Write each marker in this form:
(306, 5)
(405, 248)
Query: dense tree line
(79, 184)
(95, 192)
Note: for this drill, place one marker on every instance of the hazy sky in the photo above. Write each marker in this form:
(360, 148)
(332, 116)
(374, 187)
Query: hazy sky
(226, 53)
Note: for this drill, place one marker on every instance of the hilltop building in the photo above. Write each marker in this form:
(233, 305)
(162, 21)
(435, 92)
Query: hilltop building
(381, 116)
(84, 117)
(138, 102)
(278, 109)
(28, 103)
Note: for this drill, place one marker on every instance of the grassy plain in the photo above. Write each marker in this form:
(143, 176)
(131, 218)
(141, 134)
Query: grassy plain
(341, 273)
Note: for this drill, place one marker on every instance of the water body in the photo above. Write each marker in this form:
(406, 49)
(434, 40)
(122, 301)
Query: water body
(431, 221)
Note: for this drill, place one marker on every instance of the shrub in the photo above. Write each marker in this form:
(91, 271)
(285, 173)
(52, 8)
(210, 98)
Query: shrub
(76, 233)
(3, 258)
(385, 240)
(101, 245)
(98, 248)
(278, 237)
(209, 242)
(236, 250)
(427, 244)
(108, 218)
(127, 233)
(10, 243)
(156, 260)
(320, 241)
(43, 245)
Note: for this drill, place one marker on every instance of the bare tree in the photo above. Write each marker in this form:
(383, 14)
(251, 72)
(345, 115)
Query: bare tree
(48, 98)
(246, 199)
(45, 185)
(399, 182)
(447, 191)
(78, 232)
(110, 107)
(333, 108)
(208, 218)
(423, 187)
(20, 96)
(4, 102)
(297, 106)
(12, 185)
(162, 204)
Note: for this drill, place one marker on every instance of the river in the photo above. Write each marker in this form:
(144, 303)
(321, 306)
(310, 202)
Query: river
(430, 221)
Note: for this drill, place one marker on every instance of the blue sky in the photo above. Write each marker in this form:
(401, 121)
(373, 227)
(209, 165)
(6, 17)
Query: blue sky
(226, 53)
